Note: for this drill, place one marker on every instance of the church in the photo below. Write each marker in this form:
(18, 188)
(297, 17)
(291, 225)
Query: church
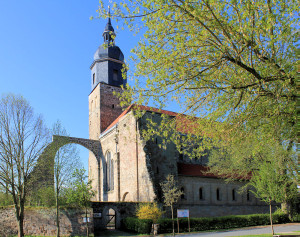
(131, 169)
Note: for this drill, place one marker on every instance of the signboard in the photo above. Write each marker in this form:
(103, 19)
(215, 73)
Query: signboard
(97, 215)
(85, 220)
(183, 213)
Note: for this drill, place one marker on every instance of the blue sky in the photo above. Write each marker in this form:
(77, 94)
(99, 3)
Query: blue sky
(46, 49)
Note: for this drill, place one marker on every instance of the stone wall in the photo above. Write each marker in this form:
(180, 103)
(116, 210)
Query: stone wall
(41, 221)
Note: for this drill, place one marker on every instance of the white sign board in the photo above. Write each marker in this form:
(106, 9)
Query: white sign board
(97, 215)
(85, 220)
(183, 213)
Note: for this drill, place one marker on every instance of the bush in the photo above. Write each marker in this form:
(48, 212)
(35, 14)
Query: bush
(149, 211)
(141, 226)
(205, 223)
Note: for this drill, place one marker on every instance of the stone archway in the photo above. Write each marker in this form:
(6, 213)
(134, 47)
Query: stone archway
(44, 168)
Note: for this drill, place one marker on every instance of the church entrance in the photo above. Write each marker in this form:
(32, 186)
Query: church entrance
(111, 219)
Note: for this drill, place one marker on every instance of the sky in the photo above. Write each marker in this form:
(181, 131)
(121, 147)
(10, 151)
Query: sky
(46, 49)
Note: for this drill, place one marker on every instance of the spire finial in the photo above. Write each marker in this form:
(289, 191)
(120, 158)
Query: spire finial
(109, 30)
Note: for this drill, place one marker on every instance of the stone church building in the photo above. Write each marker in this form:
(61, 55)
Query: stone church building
(130, 169)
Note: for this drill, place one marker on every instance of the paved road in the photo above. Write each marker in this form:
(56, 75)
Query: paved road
(249, 231)
(283, 228)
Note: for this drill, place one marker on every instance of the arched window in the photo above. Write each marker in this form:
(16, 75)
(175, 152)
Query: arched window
(218, 194)
(182, 195)
(248, 195)
(233, 194)
(201, 194)
(109, 172)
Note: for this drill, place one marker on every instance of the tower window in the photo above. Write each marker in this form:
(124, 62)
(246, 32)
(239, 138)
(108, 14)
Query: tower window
(113, 106)
(93, 78)
(115, 75)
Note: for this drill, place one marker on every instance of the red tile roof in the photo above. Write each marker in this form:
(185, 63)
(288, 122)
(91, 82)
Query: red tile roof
(194, 170)
(140, 107)
(203, 171)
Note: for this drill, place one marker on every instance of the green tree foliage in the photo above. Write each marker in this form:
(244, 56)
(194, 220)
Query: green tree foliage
(270, 184)
(81, 192)
(230, 63)
(171, 194)
(23, 138)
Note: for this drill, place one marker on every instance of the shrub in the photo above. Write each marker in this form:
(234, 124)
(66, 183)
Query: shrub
(141, 226)
(149, 211)
(205, 223)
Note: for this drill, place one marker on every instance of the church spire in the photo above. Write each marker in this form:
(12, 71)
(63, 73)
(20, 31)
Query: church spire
(109, 32)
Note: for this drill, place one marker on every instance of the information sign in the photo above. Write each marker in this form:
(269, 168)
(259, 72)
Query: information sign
(97, 215)
(183, 213)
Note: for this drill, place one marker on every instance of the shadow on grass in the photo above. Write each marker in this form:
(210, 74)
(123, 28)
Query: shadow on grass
(114, 233)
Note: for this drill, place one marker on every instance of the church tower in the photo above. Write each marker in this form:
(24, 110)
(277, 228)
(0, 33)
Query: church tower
(106, 78)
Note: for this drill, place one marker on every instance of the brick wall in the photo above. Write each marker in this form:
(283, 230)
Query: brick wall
(41, 221)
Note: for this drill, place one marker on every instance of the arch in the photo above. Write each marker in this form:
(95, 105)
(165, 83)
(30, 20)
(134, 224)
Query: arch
(49, 153)
(124, 196)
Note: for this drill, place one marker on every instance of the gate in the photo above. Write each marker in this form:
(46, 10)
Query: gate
(111, 219)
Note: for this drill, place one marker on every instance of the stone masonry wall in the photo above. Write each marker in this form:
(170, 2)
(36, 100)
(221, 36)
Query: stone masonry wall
(41, 221)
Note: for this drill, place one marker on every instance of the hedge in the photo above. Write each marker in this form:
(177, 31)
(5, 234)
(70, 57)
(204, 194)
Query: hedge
(205, 223)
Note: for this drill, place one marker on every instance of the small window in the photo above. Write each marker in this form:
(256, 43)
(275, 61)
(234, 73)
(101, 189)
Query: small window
(233, 194)
(93, 78)
(182, 195)
(218, 194)
(113, 106)
(115, 75)
(248, 195)
(201, 196)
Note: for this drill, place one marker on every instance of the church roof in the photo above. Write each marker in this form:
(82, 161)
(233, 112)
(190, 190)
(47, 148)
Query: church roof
(203, 171)
(143, 108)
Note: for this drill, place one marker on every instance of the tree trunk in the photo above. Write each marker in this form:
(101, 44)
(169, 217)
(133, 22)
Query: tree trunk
(20, 227)
(173, 220)
(87, 223)
(57, 216)
(20, 219)
(271, 220)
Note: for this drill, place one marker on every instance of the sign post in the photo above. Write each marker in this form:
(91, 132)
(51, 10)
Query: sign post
(183, 213)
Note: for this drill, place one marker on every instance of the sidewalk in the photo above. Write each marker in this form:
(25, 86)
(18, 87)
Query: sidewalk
(256, 230)
(282, 228)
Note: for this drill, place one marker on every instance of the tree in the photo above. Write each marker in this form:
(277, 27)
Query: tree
(248, 159)
(270, 184)
(65, 162)
(230, 63)
(81, 192)
(171, 195)
(23, 137)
